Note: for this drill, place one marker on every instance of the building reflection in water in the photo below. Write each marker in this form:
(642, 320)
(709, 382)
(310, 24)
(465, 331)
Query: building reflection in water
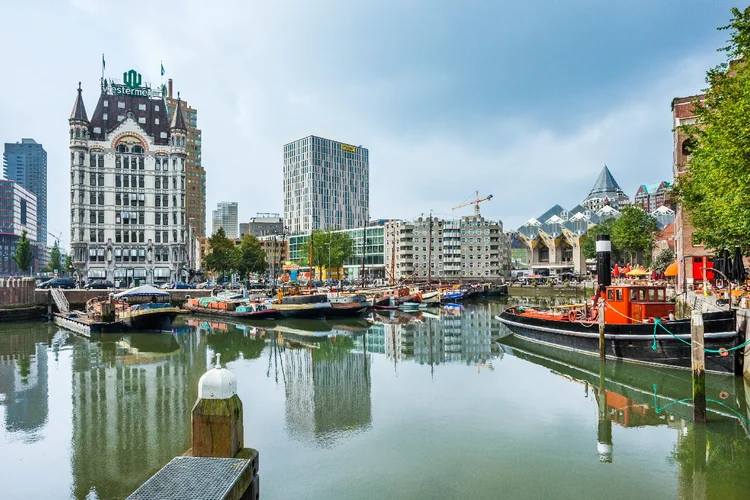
(23, 381)
(132, 397)
(327, 384)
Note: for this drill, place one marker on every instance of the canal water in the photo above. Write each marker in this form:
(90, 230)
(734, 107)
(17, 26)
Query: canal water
(406, 406)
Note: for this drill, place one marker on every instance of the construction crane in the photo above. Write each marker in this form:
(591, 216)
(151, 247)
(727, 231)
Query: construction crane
(476, 201)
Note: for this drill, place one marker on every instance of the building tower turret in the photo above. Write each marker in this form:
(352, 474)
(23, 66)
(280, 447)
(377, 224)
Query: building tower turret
(177, 155)
(79, 149)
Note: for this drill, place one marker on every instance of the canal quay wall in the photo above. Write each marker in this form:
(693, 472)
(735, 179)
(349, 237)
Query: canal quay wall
(78, 298)
(18, 299)
(692, 301)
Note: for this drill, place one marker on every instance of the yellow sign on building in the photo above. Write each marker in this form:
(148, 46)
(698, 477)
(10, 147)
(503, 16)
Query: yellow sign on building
(351, 149)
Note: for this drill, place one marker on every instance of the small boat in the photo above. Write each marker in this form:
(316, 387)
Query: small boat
(639, 326)
(431, 299)
(239, 310)
(141, 308)
(388, 303)
(301, 306)
(452, 296)
(346, 306)
(409, 306)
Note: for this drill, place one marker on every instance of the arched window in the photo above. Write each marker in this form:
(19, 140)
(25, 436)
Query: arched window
(543, 254)
(122, 148)
(137, 149)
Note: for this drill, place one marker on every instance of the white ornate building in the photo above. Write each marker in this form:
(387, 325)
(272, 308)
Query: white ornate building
(127, 186)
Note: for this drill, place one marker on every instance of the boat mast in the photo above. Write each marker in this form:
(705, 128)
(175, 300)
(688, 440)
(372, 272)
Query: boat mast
(311, 261)
(429, 253)
(364, 252)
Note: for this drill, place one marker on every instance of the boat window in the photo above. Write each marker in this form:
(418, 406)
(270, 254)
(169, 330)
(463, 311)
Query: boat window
(633, 294)
(610, 294)
(660, 294)
(641, 294)
(651, 294)
(619, 295)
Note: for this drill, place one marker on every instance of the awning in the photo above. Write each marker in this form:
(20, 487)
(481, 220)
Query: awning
(140, 291)
(671, 269)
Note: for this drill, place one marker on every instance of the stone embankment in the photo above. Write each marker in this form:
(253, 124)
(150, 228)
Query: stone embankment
(78, 298)
(18, 299)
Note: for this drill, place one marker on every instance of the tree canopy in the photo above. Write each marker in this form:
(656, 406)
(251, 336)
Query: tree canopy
(715, 188)
(632, 233)
(329, 247)
(222, 257)
(55, 259)
(663, 260)
(23, 256)
(250, 257)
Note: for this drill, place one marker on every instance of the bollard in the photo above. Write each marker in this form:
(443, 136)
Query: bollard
(49, 304)
(699, 367)
(602, 354)
(217, 415)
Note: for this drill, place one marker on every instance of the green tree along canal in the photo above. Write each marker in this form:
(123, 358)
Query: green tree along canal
(416, 406)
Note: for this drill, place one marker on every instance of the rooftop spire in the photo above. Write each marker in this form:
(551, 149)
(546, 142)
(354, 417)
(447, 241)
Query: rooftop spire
(178, 121)
(605, 185)
(79, 110)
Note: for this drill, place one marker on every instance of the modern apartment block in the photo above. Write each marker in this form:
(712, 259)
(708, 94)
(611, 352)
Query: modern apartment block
(25, 162)
(471, 247)
(127, 177)
(263, 225)
(18, 213)
(225, 216)
(195, 174)
(326, 185)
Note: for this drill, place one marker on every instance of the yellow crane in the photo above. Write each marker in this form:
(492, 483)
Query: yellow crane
(476, 201)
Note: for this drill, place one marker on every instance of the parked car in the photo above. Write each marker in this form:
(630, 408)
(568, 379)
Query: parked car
(99, 285)
(59, 283)
(182, 286)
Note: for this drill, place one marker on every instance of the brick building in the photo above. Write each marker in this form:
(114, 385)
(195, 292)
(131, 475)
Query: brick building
(690, 252)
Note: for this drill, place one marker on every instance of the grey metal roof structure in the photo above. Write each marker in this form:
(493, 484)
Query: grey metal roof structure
(605, 186)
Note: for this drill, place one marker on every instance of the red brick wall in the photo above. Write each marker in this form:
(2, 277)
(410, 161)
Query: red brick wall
(17, 292)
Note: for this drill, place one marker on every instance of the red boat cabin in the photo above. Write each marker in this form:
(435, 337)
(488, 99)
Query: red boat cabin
(641, 303)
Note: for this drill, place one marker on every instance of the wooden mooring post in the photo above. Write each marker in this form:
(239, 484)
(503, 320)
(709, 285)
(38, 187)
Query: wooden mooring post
(698, 366)
(217, 466)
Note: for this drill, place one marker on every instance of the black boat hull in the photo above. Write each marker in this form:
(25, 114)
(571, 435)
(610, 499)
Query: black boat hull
(158, 321)
(633, 342)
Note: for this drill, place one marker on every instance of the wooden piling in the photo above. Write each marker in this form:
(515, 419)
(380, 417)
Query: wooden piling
(602, 354)
(604, 427)
(49, 304)
(699, 462)
(698, 366)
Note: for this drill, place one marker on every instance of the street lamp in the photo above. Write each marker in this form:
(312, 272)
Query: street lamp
(329, 258)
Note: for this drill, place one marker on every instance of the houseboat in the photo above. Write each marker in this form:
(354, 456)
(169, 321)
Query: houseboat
(639, 325)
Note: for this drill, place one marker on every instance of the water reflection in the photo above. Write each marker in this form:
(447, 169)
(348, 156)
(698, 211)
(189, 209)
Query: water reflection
(350, 385)
(23, 381)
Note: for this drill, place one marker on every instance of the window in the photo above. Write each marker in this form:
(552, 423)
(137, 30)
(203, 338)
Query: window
(121, 105)
(106, 104)
(142, 119)
(610, 295)
(618, 296)
(156, 121)
(120, 118)
(141, 107)
(104, 116)
(98, 130)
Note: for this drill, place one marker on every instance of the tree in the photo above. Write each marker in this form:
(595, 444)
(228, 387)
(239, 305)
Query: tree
(68, 264)
(250, 256)
(222, 257)
(714, 190)
(663, 260)
(329, 249)
(634, 232)
(588, 247)
(55, 259)
(23, 256)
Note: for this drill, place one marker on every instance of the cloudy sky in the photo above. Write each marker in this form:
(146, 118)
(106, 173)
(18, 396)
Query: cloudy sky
(523, 100)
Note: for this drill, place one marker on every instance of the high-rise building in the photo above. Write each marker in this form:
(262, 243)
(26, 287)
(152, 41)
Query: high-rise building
(263, 225)
(25, 162)
(225, 216)
(195, 174)
(17, 214)
(127, 175)
(326, 185)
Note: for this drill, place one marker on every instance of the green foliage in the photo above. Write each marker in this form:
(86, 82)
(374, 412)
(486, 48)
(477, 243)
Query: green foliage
(634, 231)
(23, 256)
(250, 257)
(588, 247)
(55, 260)
(715, 188)
(336, 246)
(663, 260)
(223, 256)
(68, 263)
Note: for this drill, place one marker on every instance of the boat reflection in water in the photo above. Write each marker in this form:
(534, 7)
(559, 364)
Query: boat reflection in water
(710, 457)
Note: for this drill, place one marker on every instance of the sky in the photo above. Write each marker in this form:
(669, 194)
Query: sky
(522, 100)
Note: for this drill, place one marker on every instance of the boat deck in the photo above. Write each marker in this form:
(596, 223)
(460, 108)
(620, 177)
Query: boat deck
(82, 325)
